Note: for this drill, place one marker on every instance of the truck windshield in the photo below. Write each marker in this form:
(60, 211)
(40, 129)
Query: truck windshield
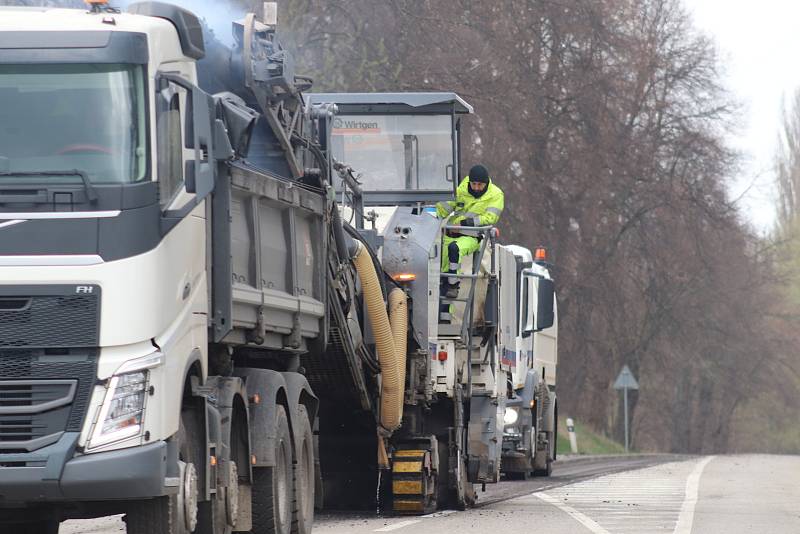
(397, 152)
(87, 118)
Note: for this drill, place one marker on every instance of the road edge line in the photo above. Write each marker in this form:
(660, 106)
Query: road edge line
(686, 516)
(573, 513)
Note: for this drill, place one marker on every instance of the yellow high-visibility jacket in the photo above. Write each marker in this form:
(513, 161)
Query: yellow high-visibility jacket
(484, 211)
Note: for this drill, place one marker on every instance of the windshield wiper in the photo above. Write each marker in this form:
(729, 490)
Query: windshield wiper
(91, 194)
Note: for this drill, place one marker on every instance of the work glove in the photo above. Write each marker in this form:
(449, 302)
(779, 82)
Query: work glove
(468, 222)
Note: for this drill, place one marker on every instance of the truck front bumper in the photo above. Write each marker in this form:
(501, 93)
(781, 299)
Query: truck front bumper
(56, 474)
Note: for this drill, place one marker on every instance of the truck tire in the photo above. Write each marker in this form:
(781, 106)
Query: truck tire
(162, 514)
(304, 475)
(547, 470)
(272, 490)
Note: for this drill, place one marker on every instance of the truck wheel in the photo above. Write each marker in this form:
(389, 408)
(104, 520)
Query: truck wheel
(304, 476)
(175, 514)
(547, 470)
(272, 489)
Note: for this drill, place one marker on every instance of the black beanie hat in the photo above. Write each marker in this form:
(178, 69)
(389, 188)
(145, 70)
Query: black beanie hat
(478, 173)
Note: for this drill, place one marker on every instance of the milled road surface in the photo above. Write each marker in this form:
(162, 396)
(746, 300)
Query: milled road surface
(634, 494)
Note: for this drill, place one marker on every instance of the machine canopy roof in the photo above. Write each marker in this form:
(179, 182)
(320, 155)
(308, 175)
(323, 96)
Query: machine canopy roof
(391, 102)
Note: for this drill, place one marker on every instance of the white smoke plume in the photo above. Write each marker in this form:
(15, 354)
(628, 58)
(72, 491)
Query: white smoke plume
(217, 14)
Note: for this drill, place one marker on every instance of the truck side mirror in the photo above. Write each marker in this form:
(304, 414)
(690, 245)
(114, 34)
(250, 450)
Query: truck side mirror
(545, 307)
(202, 141)
(200, 135)
(529, 289)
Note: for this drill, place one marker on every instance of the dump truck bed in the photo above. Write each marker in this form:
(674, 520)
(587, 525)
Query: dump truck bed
(269, 258)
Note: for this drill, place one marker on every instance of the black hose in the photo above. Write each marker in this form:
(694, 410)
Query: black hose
(342, 245)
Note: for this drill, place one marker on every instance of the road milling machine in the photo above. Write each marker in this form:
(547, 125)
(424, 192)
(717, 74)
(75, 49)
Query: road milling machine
(406, 147)
(191, 333)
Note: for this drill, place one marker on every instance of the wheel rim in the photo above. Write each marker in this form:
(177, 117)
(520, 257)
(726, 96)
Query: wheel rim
(189, 490)
(232, 495)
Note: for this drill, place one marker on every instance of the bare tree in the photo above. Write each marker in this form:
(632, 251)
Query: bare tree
(787, 162)
(608, 117)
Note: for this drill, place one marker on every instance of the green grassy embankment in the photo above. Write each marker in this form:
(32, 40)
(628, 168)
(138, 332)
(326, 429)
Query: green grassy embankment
(589, 441)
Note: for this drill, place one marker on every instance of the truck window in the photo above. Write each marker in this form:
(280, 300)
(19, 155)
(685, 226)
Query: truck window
(170, 143)
(397, 152)
(88, 117)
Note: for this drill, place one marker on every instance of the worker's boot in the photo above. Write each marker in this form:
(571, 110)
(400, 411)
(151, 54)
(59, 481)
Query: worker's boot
(452, 290)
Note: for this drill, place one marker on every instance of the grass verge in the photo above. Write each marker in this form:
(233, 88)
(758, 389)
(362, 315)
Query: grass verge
(589, 441)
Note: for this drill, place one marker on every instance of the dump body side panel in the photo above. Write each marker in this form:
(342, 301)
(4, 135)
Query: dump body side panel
(277, 260)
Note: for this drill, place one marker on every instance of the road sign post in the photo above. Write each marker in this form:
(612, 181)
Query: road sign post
(573, 440)
(626, 381)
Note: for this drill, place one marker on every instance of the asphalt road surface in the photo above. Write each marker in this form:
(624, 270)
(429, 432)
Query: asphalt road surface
(602, 495)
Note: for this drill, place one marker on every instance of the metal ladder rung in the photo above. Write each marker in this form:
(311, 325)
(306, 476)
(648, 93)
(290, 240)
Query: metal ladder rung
(455, 275)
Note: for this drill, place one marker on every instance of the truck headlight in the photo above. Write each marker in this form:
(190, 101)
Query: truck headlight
(510, 416)
(122, 414)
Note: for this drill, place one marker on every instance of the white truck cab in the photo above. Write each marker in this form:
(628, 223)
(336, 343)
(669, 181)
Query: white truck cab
(530, 433)
(103, 281)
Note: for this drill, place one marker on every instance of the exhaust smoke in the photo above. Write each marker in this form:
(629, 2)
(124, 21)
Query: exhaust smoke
(216, 14)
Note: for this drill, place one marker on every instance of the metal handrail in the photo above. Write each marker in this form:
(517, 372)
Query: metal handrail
(469, 303)
(480, 229)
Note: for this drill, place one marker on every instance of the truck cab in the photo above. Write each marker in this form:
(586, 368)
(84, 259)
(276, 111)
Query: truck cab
(108, 153)
(89, 220)
(530, 421)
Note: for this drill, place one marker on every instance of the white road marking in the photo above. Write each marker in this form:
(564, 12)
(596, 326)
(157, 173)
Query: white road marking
(402, 524)
(572, 512)
(641, 501)
(686, 517)
(11, 223)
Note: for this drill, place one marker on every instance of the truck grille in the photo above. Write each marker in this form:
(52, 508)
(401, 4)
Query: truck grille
(49, 316)
(43, 393)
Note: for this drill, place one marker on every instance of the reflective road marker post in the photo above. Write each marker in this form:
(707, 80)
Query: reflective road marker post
(626, 381)
(573, 441)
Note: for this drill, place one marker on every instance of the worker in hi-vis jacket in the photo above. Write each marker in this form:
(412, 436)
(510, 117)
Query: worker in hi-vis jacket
(479, 202)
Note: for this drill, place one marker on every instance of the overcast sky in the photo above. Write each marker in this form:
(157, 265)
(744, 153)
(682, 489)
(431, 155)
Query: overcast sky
(759, 44)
